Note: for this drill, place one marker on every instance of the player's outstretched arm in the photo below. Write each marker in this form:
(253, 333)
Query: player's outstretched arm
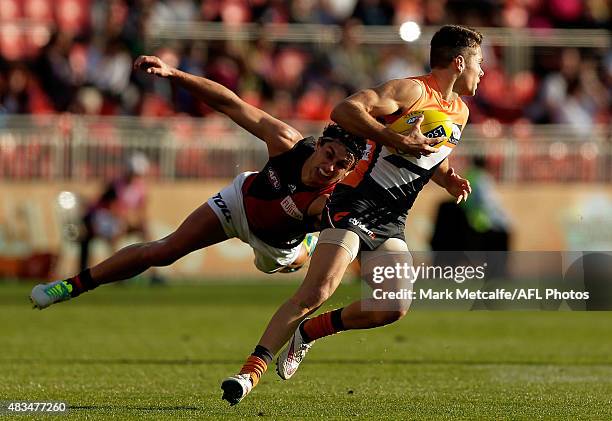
(279, 136)
(457, 186)
(358, 113)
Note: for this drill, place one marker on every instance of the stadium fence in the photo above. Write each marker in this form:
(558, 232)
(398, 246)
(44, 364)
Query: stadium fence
(72, 147)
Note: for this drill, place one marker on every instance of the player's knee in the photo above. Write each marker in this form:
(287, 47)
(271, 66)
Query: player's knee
(315, 299)
(381, 318)
(312, 299)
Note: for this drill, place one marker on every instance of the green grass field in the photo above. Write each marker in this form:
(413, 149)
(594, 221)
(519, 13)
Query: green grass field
(125, 352)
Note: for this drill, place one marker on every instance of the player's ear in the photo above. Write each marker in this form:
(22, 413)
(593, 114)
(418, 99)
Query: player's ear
(460, 63)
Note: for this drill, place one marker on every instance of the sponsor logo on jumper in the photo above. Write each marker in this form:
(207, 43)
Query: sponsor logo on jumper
(291, 208)
(292, 188)
(435, 132)
(274, 180)
(362, 227)
(412, 119)
(218, 200)
(455, 135)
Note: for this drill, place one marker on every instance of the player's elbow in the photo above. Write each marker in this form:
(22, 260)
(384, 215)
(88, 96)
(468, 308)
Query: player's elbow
(344, 112)
(286, 135)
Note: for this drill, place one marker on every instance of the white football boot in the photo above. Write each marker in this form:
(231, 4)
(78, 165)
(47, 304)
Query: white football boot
(290, 358)
(43, 295)
(236, 387)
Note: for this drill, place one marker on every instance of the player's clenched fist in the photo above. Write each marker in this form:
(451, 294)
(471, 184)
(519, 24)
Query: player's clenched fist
(153, 65)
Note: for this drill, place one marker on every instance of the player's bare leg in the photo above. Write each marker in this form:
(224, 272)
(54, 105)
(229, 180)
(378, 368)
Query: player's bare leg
(370, 313)
(142, 229)
(200, 229)
(325, 272)
(362, 314)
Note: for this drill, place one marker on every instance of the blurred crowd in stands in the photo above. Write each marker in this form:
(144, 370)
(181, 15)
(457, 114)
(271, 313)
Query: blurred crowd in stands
(76, 56)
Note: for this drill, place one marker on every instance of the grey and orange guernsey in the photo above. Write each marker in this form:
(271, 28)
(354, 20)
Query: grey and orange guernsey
(373, 201)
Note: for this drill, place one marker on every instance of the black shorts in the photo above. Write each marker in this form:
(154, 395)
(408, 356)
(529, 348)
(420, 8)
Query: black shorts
(374, 221)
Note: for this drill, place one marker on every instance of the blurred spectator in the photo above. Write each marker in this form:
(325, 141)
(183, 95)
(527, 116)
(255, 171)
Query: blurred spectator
(96, 42)
(111, 68)
(271, 11)
(374, 12)
(173, 11)
(16, 98)
(479, 224)
(555, 85)
(120, 210)
(575, 95)
(396, 62)
(56, 74)
(503, 96)
(88, 101)
(484, 211)
(192, 61)
(352, 64)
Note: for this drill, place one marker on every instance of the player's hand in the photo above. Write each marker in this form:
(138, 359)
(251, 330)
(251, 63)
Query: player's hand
(153, 65)
(417, 145)
(457, 186)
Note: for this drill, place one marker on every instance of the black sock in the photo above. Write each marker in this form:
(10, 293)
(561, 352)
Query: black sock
(336, 319)
(303, 333)
(263, 353)
(81, 283)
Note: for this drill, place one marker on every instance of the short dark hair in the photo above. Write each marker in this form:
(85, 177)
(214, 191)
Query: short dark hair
(354, 144)
(451, 41)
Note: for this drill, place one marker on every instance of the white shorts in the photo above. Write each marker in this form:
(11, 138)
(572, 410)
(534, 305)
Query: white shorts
(229, 208)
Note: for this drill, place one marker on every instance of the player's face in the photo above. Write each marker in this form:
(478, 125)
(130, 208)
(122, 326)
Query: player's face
(472, 72)
(330, 163)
